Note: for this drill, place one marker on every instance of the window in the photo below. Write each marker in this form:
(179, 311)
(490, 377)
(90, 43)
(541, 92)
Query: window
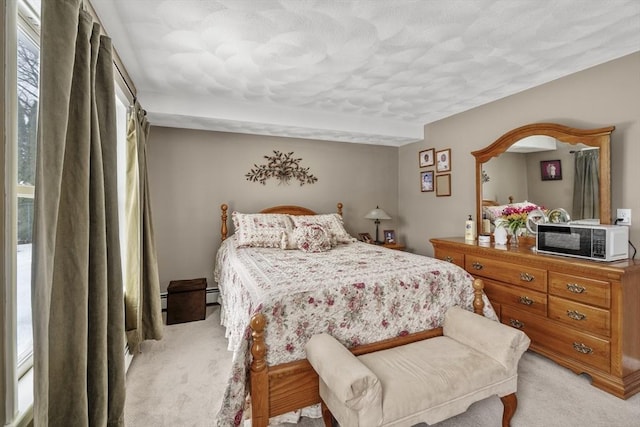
(21, 83)
(27, 85)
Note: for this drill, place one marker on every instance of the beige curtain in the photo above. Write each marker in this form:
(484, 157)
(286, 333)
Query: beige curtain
(77, 290)
(143, 312)
(586, 185)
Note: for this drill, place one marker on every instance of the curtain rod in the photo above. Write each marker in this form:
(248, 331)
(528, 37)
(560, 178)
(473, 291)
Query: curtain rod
(117, 62)
(125, 78)
(583, 149)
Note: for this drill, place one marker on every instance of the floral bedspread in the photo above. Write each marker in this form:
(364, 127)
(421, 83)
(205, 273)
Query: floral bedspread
(357, 292)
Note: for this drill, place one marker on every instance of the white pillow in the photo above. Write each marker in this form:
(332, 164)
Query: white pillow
(261, 230)
(330, 222)
(495, 212)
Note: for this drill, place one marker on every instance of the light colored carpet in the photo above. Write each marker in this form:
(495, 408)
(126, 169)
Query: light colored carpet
(179, 381)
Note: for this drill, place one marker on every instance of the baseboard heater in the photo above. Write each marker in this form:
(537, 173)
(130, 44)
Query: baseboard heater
(211, 296)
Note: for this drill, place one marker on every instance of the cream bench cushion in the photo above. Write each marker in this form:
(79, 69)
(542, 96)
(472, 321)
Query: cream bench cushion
(426, 381)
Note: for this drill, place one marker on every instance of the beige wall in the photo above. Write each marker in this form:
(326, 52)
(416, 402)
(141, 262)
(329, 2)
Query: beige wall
(605, 95)
(506, 179)
(193, 172)
(552, 194)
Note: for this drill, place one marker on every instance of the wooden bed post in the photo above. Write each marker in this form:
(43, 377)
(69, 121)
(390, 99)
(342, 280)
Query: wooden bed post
(478, 303)
(259, 374)
(340, 209)
(223, 227)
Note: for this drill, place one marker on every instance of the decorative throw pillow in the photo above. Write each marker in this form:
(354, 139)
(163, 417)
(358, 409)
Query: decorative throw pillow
(330, 222)
(312, 238)
(261, 230)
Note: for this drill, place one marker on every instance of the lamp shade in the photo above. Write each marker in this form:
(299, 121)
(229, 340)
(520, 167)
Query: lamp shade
(378, 214)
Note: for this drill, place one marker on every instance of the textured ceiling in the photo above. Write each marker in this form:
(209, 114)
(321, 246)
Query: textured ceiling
(369, 71)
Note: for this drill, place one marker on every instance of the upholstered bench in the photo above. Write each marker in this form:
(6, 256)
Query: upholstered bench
(425, 381)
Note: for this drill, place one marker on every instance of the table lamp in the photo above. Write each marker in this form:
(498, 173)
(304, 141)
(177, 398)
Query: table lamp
(377, 214)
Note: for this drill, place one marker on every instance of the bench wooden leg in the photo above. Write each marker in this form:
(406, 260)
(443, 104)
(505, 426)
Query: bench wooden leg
(510, 403)
(326, 415)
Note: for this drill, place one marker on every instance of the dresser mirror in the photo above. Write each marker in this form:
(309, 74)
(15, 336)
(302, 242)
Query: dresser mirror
(537, 163)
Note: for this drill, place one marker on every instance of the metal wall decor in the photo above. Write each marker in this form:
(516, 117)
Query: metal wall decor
(283, 167)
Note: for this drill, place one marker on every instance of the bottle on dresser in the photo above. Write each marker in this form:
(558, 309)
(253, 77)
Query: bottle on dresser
(486, 224)
(470, 229)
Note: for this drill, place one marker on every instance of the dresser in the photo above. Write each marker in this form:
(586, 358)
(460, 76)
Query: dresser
(584, 315)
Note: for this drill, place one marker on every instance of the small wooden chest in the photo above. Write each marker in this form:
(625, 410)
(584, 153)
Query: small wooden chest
(186, 300)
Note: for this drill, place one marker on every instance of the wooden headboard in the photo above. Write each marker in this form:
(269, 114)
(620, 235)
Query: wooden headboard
(486, 202)
(283, 209)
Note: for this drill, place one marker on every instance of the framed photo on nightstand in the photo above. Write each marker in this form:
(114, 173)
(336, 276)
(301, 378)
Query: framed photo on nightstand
(389, 236)
(365, 237)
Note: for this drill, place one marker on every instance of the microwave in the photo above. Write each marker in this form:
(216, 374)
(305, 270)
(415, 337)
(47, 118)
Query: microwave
(594, 242)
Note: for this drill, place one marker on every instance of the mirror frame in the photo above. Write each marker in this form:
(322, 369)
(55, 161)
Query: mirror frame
(600, 138)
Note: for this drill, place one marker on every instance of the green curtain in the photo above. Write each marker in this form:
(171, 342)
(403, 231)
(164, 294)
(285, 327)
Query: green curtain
(586, 185)
(143, 312)
(77, 289)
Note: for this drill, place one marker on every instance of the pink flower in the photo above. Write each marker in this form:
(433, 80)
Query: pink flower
(516, 217)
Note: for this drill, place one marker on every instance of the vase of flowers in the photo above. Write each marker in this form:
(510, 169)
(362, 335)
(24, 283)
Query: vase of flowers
(516, 221)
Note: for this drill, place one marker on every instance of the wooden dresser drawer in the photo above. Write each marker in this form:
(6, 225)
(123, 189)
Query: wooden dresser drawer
(581, 316)
(526, 299)
(450, 256)
(588, 291)
(534, 326)
(521, 275)
(569, 342)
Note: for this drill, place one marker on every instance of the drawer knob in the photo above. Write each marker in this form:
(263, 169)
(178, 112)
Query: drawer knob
(526, 301)
(581, 348)
(448, 258)
(516, 323)
(575, 288)
(526, 277)
(477, 266)
(576, 315)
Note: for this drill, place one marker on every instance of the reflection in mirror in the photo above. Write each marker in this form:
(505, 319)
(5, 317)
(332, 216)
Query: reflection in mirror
(512, 170)
(518, 173)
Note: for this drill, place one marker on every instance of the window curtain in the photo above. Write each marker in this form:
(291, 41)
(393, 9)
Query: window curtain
(77, 289)
(586, 185)
(143, 312)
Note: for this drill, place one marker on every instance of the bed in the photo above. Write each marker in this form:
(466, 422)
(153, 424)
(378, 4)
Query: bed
(273, 300)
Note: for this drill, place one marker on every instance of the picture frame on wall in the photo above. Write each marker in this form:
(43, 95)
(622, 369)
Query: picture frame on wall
(426, 181)
(443, 185)
(443, 160)
(365, 237)
(426, 158)
(551, 170)
(389, 236)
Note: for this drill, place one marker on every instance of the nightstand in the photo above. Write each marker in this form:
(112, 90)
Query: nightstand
(396, 246)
